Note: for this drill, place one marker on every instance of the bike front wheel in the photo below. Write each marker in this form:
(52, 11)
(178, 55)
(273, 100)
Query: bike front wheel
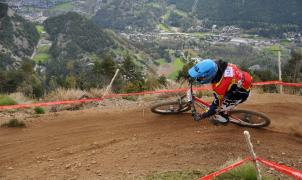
(172, 107)
(249, 118)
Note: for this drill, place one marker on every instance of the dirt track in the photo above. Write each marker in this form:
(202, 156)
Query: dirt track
(132, 142)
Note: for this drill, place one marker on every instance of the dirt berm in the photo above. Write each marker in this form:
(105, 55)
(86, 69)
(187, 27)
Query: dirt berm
(127, 142)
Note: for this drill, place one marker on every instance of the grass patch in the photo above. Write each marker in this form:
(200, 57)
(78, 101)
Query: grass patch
(43, 49)
(39, 110)
(42, 54)
(64, 6)
(173, 75)
(245, 171)
(177, 65)
(161, 61)
(181, 13)
(176, 175)
(274, 48)
(167, 15)
(41, 57)
(5, 101)
(164, 27)
(155, 5)
(200, 34)
(40, 29)
(14, 123)
(285, 42)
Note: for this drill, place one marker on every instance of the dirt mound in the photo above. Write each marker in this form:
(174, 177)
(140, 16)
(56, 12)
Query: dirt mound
(122, 143)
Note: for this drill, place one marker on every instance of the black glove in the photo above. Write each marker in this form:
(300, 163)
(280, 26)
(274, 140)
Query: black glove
(197, 116)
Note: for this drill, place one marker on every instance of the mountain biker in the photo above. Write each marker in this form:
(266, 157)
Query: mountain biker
(231, 87)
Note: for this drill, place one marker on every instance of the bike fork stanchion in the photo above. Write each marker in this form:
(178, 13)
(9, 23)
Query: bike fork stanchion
(251, 149)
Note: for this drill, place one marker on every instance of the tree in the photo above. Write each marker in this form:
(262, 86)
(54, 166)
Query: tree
(97, 73)
(293, 68)
(108, 67)
(130, 71)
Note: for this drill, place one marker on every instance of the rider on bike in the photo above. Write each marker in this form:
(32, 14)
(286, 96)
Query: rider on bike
(231, 87)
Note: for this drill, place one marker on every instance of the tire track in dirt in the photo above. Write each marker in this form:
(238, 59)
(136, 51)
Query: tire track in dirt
(123, 143)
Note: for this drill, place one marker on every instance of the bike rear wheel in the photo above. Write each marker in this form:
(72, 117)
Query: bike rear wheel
(172, 107)
(249, 118)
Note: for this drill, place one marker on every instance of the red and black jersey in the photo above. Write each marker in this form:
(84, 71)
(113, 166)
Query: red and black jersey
(229, 81)
(232, 76)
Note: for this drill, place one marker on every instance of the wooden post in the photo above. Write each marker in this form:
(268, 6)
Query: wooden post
(251, 149)
(109, 86)
(280, 71)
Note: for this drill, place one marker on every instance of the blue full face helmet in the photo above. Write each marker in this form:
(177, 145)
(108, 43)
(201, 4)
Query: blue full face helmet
(204, 71)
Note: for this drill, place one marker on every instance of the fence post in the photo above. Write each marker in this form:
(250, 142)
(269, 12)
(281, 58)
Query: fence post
(109, 86)
(250, 146)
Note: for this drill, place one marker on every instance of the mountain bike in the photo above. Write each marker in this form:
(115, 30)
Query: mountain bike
(187, 102)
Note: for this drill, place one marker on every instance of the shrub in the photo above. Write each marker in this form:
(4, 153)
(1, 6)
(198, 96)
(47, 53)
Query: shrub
(131, 98)
(5, 100)
(62, 94)
(14, 123)
(39, 110)
(20, 98)
(137, 86)
(97, 93)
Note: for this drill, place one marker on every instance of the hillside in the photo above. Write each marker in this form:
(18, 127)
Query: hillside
(73, 34)
(18, 38)
(269, 14)
(257, 11)
(128, 15)
(84, 55)
(268, 18)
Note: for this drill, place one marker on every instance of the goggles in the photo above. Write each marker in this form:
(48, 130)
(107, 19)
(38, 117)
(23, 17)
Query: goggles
(200, 79)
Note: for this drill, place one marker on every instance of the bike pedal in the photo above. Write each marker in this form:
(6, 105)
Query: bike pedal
(217, 123)
(223, 121)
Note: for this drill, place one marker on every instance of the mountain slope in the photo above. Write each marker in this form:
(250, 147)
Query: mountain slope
(246, 13)
(268, 17)
(82, 52)
(76, 37)
(73, 34)
(18, 38)
(133, 15)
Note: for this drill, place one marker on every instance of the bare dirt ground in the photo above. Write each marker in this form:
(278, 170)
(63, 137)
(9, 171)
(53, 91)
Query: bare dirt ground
(132, 142)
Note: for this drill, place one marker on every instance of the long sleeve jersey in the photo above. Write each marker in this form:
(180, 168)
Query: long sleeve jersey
(228, 80)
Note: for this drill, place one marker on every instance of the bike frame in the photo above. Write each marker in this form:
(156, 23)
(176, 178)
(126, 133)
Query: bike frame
(192, 100)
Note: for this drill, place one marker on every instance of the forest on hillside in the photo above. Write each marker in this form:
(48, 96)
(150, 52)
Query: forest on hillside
(269, 17)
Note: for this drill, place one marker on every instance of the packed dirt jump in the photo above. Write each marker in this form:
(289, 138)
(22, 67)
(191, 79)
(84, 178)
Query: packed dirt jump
(131, 142)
